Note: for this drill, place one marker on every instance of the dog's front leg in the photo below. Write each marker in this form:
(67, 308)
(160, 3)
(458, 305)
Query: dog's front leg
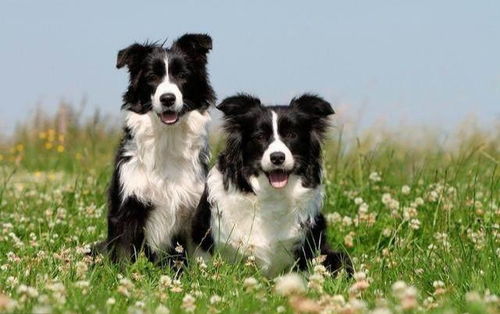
(126, 230)
(316, 242)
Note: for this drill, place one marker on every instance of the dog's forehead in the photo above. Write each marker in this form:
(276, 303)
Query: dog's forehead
(283, 113)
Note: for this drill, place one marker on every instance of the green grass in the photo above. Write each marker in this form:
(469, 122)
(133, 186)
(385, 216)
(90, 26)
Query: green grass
(53, 204)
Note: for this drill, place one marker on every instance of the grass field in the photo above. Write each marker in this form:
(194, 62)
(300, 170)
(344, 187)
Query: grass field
(418, 215)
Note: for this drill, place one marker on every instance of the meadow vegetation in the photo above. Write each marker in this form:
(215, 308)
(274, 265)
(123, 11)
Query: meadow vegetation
(417, 212)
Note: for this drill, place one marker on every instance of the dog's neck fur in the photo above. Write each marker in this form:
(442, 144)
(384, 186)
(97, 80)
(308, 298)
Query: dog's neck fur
(153, 140)
(163, 154)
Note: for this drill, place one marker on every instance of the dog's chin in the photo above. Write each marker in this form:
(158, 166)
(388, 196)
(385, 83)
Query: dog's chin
(278, 178)
(169, 117)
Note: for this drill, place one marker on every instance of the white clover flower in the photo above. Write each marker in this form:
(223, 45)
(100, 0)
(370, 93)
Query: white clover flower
(393, 204)
(179, 248)
(316, 281)
(358, 200)
(386, 198)
(355, 306)
(176, 286)
(320, 269)
(360, 275)
(349, 239)
(405, 189)
(438, 284)
(387, 232)
(82, 284)
(347, 221)
(162, 309)
(81, 269)
(110, 301)
(250, 284)
(27, 291)
(290, 284)
(381, 310)
(375, 177)
(7, 304)
(165, 281)
(419, 201)
(12, 281)
(333, 218)
(398, 288)
(415, 224)
(363, 208)
(140, 304)
(433, 196)
(472, 297)
(42, 309)
(215, 299)
(188, 303)
(126, 283)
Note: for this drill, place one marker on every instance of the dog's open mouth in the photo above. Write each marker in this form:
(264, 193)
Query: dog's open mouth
(168, 117)
(277, 178)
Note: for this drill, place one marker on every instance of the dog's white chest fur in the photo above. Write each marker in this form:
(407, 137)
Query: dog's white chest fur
(164, 171)
(268, 225)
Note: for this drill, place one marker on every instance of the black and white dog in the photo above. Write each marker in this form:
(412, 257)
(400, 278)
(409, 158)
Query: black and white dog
(161, 164)
(263, 198)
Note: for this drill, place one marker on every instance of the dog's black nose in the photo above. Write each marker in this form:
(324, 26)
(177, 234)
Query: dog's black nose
(277, 158)
(167, 99)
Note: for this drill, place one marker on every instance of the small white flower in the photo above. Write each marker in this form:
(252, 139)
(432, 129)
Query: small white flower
(250, 284)
(347, 221)
(398, 288)
(215, 299)
(333, 218)
(165, 281)
(161, 309)
(419, 201)
(363, 208)
(386, 198)
(415, 224)
(405, 189)
(472, 297)
(290, 284)
(179, 248)
(358, 200)
(358, 276)
(140, 304)
(375, 177)
(189, 303)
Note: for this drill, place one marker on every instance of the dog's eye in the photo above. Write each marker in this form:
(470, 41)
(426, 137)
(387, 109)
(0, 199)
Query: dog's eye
(260, 136)
(151, 77)
(290, 134)
(181, 75)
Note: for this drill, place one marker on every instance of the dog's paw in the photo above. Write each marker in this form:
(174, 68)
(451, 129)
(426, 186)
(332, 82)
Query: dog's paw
(99, 248)
(336, 261)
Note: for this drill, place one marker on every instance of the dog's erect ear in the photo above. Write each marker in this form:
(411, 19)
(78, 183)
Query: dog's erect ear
(132, 56)
(314, 110)
(238, 105)
(312, 105)
(195, 46)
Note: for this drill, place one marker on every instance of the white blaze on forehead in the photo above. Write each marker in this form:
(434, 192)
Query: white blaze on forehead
(276, 145)
(166, 86)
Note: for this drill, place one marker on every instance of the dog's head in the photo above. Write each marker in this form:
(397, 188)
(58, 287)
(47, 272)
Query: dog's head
(275, 141)
(168, 81)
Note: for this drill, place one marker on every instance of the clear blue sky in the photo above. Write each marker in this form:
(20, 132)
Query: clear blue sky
(431, 62)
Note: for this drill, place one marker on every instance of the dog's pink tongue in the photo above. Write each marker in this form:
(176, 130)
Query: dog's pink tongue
(278, 179)
(168, 117)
